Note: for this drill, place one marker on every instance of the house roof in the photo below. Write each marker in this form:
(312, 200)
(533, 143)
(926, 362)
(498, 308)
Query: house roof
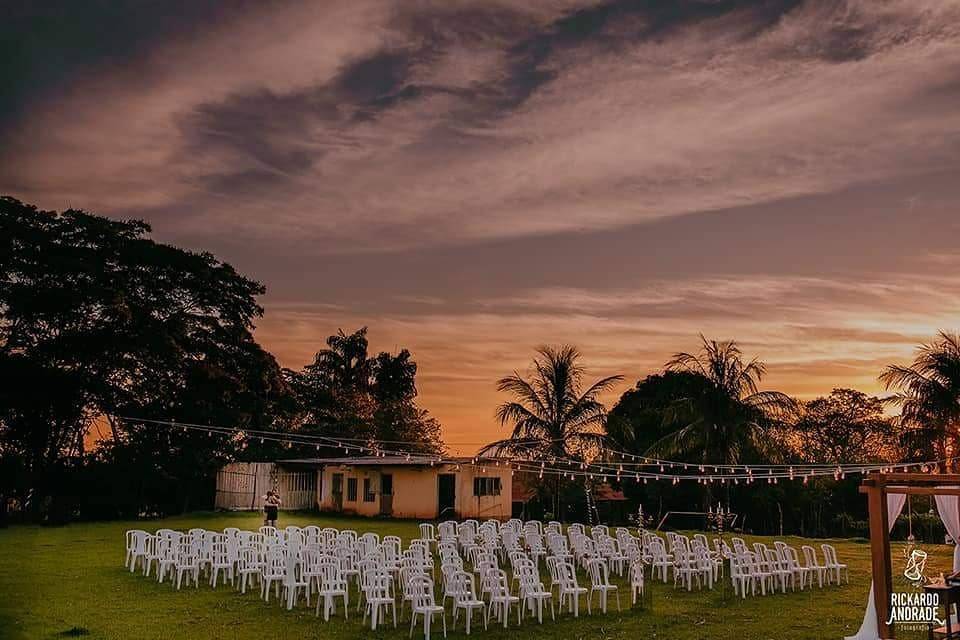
(605, 493)
(373, 461)
(523, 490)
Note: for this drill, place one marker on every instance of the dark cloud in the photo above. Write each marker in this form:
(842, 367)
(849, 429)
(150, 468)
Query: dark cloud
(45, 46)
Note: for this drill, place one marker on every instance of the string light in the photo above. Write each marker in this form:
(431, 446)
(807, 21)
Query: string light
(586, 469)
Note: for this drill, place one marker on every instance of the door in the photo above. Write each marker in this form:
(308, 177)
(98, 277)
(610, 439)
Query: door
(446, 495)
(336, 490)
(386, 494)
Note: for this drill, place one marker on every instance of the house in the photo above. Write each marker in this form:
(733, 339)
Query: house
(398, 486)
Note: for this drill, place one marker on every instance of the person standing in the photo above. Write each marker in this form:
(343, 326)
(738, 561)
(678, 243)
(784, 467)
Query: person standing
(271, 508)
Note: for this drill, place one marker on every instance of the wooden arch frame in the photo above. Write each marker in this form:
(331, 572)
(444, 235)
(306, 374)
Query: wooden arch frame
(877, 486)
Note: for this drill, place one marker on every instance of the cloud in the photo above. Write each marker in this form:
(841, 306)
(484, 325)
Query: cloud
(472, 178)
(374, 126)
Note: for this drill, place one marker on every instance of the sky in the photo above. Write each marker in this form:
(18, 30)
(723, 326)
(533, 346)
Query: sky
(472, 179)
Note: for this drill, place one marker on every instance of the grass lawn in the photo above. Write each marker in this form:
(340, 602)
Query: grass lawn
(69, 581)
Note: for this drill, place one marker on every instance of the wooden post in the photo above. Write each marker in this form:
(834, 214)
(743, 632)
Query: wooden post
(880, 556)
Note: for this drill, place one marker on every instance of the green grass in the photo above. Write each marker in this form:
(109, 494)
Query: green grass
(69, 582)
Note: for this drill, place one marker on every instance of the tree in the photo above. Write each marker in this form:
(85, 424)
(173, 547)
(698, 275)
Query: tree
(345, 393)
(98, 319)
(727, 419)
(645, 414)
(848, 426)
(551, 414)
(928, 394)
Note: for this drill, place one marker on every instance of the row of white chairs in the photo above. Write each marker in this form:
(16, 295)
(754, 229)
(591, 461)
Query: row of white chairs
(298, 562)
(503, 559)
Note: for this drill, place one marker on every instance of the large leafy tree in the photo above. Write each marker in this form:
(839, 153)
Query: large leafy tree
(727, 419)
(845, 427)
(645, 414)
(97, 318)
(928, 394)
(552, 414)
(344, 392)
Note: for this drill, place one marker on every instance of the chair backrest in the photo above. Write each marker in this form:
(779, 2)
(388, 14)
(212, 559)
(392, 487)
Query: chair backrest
(427, 531)
(829, 555)
(136, 539)
(809, 555)
(379, 586)
(420, 590)
(249, 557)
(567, 575)
(738, 544)
(331, 576)
(447, 529)
(462, 586)
(186, 553)
(599, 573)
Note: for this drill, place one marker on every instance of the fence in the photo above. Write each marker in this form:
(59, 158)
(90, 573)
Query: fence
(242, 486)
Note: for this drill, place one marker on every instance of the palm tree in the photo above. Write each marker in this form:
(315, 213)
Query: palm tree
(726, 417)
(551, 414)
(928, 393)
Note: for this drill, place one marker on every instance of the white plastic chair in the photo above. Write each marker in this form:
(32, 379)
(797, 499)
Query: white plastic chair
(220, 561)
(428, 533)
(636, 581)
(421, 590)
(136, 548)
(274, 570)
(465, 598)
(570, 591)
(333, 585)
(812, 565)
(833, 566)
(500, 597)
(186, 563)
(533, 594)
(379, 598)
(600, 583)
(249, 566)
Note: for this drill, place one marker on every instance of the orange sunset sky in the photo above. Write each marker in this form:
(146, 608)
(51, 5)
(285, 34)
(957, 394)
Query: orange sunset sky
(473, 179)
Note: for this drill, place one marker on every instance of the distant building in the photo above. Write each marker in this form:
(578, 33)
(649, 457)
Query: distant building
(610, 503)
(398, 486)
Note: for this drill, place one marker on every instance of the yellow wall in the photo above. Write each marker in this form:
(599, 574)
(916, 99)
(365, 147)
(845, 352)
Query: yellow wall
(415, 491)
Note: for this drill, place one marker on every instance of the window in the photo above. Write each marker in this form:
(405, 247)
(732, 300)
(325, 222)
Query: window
(368, 494)
(351, 489)
(486, 486)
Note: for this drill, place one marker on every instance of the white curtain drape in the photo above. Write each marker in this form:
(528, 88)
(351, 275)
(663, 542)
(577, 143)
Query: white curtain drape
(868, 630)
(949, 509)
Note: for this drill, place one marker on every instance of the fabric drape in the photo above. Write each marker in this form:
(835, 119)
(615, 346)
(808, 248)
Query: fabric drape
(868, 630)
